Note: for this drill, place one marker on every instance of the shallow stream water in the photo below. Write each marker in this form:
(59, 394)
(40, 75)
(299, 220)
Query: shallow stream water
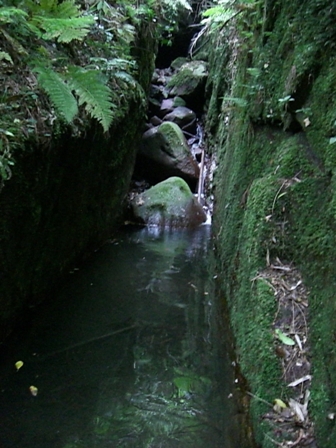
(131, 353)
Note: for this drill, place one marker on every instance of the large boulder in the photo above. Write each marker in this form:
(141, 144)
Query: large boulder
(189, 84)
(168, 204)
(164, 152)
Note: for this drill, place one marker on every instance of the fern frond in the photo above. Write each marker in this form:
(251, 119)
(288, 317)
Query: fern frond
(114, 64)
(126, 77)
(9, 14)
(93, 93)
(58, 92)
(51, 8)
(48, 5)
(67, 9)
(65, 30)
(14, 43)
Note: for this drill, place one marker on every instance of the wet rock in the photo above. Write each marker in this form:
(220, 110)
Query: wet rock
(178, 62)
(167, 106)
(184, 117)
(164, 152)
(178, 101)
(189, 83)
(168, 204)
(155, 121)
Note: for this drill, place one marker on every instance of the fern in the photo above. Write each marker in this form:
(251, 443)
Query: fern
(58, 92)
(52, 8)
(93, 93)
(11, 14)
(62, 21)
(64, 30)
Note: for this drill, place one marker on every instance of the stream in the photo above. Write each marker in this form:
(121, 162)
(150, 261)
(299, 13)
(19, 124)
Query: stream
(130, 353)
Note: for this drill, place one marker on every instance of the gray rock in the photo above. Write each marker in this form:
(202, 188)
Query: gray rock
(168, 204)
(189, 83)
(167, 106)
(155, 121)
(183, 117)
(164, 152)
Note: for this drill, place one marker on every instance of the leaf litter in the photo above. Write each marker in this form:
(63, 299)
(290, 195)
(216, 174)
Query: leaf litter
(290, 420)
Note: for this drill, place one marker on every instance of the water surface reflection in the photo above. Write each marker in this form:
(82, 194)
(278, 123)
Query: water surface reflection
(129, 355)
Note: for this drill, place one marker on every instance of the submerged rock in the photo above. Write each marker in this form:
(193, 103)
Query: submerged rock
(168, 204)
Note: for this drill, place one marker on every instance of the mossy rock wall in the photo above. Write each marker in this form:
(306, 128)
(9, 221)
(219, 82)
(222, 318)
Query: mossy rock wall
(64, 200)
(272, 121)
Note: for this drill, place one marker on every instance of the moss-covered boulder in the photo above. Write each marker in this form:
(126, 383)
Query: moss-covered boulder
(189, 83)
(164, 152)
(168, 204)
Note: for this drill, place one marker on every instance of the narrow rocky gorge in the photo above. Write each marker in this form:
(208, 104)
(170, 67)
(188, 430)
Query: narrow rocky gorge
(172, 154)
(255, 101)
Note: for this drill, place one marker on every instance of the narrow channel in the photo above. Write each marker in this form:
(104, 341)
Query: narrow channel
(131, 353)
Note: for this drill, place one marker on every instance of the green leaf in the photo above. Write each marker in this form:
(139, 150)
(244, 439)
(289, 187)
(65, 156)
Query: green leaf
(5, 56)
(93, 93)
(58, 92)
(9, 14)
(64, 30)
(285, 99)
(240, 102)
(283, 338)
(332, 140)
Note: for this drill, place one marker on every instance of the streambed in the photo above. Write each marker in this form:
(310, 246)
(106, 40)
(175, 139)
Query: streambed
(132, 352)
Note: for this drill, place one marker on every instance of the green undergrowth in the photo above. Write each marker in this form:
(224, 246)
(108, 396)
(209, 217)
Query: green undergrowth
(272, 123)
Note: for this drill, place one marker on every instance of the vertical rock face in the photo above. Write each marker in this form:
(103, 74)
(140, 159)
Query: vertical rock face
(271, 115)
(63, 201)
(59, 204)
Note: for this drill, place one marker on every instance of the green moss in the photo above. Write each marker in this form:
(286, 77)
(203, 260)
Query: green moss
(313, 242)
(275, 186)
(174, 137)
(190, 77)
(169, 204)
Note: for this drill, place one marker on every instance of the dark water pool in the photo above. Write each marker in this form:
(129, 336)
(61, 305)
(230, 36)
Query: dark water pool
(131, 354)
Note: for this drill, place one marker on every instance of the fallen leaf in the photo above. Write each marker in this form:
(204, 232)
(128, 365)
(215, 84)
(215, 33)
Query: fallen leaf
(18, 365)
(280, 403)
(299, 381)
(283, 338)
(33, 390)
(306, 122)
(298, 341)
(299, 409)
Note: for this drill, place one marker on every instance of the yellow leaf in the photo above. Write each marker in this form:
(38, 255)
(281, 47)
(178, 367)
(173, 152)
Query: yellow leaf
(280, 403)
(18, 365)
(33, 390)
